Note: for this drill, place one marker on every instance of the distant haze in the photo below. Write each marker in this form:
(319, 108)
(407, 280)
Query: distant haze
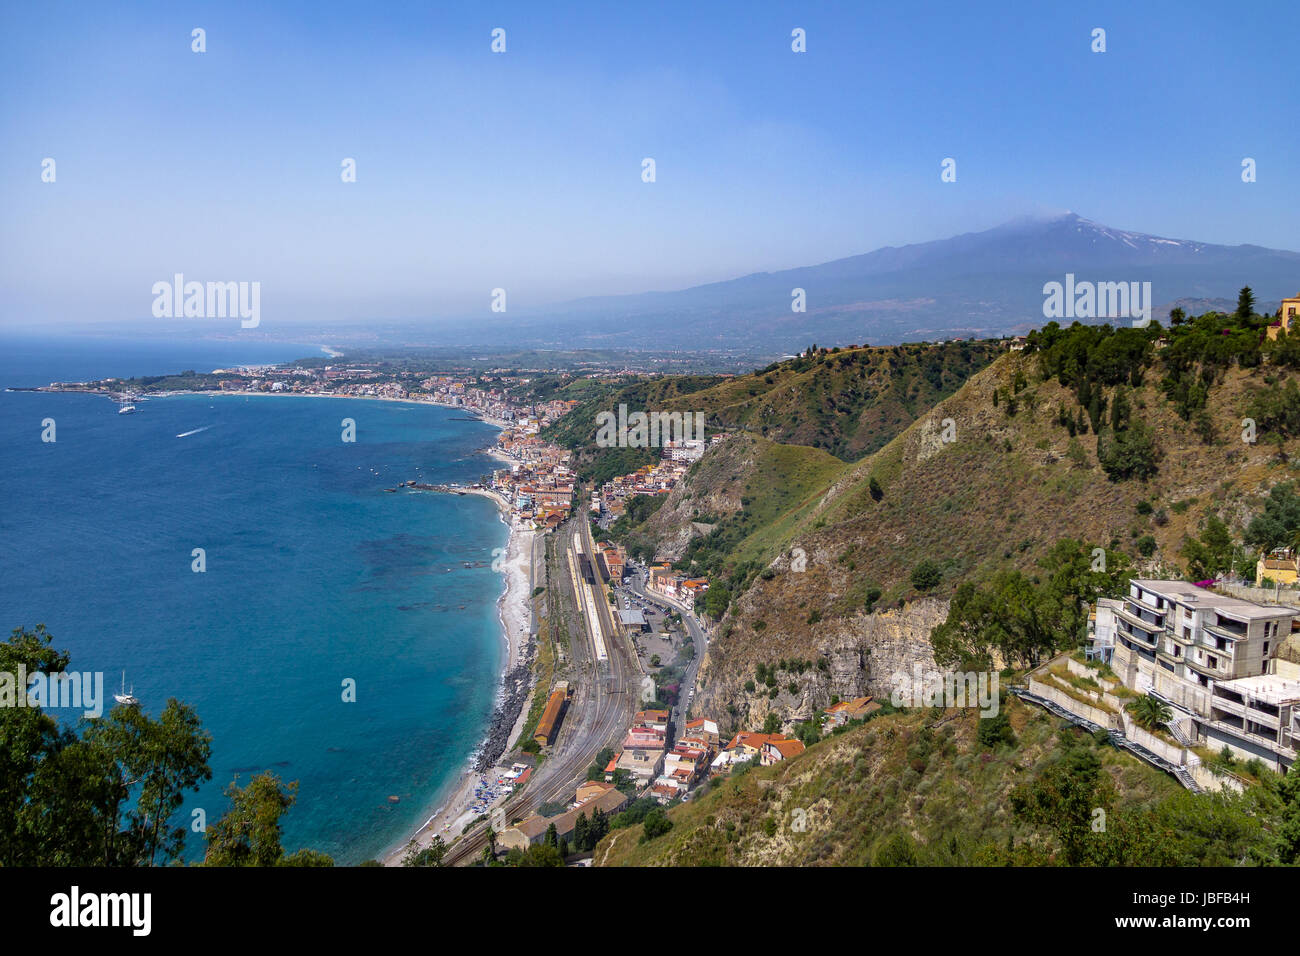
(522, 170)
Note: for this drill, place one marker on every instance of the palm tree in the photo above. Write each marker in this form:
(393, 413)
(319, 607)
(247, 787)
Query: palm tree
(1150, 712)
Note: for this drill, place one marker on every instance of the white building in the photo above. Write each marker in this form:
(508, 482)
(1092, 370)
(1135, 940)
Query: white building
(1215, 659)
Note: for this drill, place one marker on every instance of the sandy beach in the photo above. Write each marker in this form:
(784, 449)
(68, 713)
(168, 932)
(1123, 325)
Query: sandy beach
(467, 799)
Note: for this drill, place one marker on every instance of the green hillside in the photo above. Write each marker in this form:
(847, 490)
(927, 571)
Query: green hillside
(1129, 440)
(848, 402)
(922, 788)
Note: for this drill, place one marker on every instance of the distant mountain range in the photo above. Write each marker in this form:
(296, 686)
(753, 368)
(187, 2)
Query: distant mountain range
(976, 284)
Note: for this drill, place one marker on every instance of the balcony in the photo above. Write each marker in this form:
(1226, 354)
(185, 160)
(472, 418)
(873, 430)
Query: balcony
(1148, 628)
(1221, 631)
(1227, 705)
(1234, 728)
(1147, 606)
(1216, 673)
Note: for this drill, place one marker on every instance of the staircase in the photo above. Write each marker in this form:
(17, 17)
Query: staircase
(1117, 738)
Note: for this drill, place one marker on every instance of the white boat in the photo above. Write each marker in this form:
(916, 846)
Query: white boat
(126, 410)
(125, 697)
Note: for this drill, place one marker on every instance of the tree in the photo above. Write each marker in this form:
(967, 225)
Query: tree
(597, 769)
(1212, 553)
(29, 738)
(1245, 305)
(926, 575)
(307, 857)
(1277, 410)
(248, 834)
(898, 850)
(1286, 839)
(772, 723)
(874, 487)
(164, 759)
(1008, 614)
(1063, 799)
(716, 601)
(1127, 453)
(965, 638)
(1077, 576)
(552, 837)
(102, 797)
(1279, 523)
(656, 825)
(1149, 712)
(539, 855)
(598, 827)
(431, 855)
(995, 730)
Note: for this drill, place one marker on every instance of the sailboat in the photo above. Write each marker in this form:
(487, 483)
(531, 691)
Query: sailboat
(129, 699)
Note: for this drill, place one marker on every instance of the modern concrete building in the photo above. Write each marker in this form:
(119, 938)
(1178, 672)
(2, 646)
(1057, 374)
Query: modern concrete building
(1101, 629)
(1215, 659)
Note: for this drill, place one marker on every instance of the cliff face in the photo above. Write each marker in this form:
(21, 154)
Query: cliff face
(844, 658)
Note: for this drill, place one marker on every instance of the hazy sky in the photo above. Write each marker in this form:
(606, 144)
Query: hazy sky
(522, 170)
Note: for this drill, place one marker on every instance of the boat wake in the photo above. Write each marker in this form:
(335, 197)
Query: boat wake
(194, 432)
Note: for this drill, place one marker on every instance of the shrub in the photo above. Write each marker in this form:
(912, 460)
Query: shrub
(656, 825)
(926, 575)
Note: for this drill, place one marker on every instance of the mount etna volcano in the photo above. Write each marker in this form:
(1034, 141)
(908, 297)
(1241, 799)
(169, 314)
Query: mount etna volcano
(972, 285)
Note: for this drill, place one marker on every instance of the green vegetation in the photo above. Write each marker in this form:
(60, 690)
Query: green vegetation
(1278, 524)
(779, 484)
(249, 833)
(1150, 713)
(848, 402)
(920, 790)
(543, 854)
(655, 825)
(587, 833)
(1023, 618)
(431, 855)
(107, 793)
(926, 575)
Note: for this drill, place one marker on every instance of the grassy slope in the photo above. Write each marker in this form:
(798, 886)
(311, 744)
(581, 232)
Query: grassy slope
(753, 490)
(866, 785)
(848, 403)
(1008, 487)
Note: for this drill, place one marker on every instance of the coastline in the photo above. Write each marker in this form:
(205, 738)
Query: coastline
(463, 803)
(456, 801)
(472, 412)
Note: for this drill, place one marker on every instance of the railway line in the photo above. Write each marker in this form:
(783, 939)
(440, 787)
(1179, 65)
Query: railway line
(604, 669)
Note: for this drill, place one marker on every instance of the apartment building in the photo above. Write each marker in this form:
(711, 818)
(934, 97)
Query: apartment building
(1215, 659)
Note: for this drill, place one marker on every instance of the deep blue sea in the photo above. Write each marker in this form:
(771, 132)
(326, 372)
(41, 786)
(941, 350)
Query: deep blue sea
(314, 575)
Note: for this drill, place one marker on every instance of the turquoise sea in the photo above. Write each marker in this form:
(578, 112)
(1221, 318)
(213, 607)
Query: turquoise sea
(314, 575)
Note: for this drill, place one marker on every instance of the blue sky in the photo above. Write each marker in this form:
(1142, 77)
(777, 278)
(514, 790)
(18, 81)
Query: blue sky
(523, 170)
